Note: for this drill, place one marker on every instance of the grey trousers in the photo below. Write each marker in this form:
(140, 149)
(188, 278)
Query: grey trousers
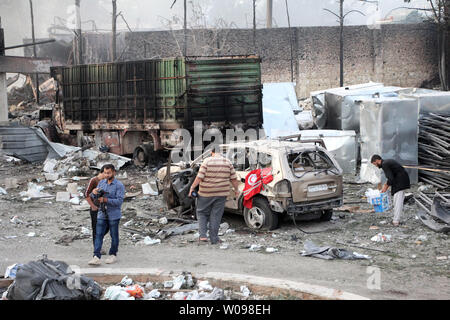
(210, 209)
(399, 197)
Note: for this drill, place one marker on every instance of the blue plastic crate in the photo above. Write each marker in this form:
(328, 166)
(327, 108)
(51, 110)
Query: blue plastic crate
(381, 203)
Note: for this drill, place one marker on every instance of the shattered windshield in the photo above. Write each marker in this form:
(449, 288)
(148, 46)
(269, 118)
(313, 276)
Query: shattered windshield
(310, 161)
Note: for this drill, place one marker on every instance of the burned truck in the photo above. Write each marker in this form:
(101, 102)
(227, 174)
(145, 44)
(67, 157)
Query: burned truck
(133, 107)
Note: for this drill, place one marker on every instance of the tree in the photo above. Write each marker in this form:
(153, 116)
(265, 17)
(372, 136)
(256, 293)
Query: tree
(438, 12)
(341, 17)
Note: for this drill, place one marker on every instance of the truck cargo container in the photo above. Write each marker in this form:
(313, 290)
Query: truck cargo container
(133, 107)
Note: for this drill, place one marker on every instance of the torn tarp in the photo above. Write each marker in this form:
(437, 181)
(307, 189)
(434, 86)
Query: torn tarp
(51, 280)
(330, 253)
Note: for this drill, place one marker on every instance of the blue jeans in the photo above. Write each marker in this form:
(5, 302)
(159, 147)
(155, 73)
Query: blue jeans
(102, 226)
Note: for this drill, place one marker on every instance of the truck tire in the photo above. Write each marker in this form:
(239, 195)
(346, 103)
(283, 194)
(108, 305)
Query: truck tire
(140, 157)
(326, 215)
(260, 216)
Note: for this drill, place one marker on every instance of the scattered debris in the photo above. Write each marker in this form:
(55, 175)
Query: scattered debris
(153, 294)
(204, 285)
(117, 293)
(135, 291)
(126, 281)
(245, 291)
(330, 253)
(255, 247)
(62, 196)
(149, 241)
(35, 191)
(11, 270)
(150, 189)
(163, 220)
(163, 234)
(85, 231)
(32, 283)
(381, 238)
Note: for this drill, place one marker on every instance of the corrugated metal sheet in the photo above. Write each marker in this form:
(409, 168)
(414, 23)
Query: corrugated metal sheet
(163, 91)
(137, 92)
(22, 143)
(225, 89)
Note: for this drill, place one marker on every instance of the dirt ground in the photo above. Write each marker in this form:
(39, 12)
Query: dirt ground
(409, 265)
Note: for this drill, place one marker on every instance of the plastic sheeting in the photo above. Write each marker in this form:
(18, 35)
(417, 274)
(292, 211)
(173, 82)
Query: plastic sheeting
(51, 280)
(389, 128)
(279, 101)
(341, 144)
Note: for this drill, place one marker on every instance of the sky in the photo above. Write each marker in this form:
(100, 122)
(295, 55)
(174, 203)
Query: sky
(157, 14)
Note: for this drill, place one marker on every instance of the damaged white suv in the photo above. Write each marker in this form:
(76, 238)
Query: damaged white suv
(307, 181)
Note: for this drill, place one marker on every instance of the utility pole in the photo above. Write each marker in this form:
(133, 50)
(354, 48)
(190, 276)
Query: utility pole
(34, 51)
(185, 29)
(341, 43)
(3, 84)
(254, 23)
(114, 31)
(79, 53)
(269, 13)
(290, 41)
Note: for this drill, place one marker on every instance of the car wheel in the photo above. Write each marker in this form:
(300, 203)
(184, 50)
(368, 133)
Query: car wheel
(260, 216)
(326, 215)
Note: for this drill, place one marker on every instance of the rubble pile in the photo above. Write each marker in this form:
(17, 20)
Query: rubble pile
(80, 163)
(20, 89)
(434, 149)
(434, 209)
(181, 287)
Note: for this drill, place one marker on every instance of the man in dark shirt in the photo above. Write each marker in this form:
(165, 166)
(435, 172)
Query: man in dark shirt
(397, 179)
(93, 183)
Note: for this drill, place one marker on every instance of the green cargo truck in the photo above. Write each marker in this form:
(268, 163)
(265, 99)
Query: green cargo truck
(133, 107)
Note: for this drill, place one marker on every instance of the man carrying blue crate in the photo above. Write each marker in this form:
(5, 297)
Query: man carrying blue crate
(397, 179)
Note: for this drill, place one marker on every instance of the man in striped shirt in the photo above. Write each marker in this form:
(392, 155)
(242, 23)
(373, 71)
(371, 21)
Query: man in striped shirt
(215, 176)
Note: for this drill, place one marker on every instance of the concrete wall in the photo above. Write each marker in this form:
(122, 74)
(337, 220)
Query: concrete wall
(403, 55)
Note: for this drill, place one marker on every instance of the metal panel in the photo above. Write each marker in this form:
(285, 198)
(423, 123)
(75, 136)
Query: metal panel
(279, 118)
(389, 128)
(23, 143)
(152, 94)
(320, 109)
(341, 144)
(131, 93)
(429, 100)
(343, 111)
(225, 90)
(24, 65)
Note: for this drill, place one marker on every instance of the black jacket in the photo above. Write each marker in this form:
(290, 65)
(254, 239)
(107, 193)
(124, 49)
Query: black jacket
(396, 175)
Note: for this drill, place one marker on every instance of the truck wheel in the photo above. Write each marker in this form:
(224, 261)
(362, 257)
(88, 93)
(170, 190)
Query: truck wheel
(260, 216)
(326, 215)
(140, 157)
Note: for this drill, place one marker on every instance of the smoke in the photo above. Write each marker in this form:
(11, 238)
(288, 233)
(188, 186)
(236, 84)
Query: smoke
(154, 14)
